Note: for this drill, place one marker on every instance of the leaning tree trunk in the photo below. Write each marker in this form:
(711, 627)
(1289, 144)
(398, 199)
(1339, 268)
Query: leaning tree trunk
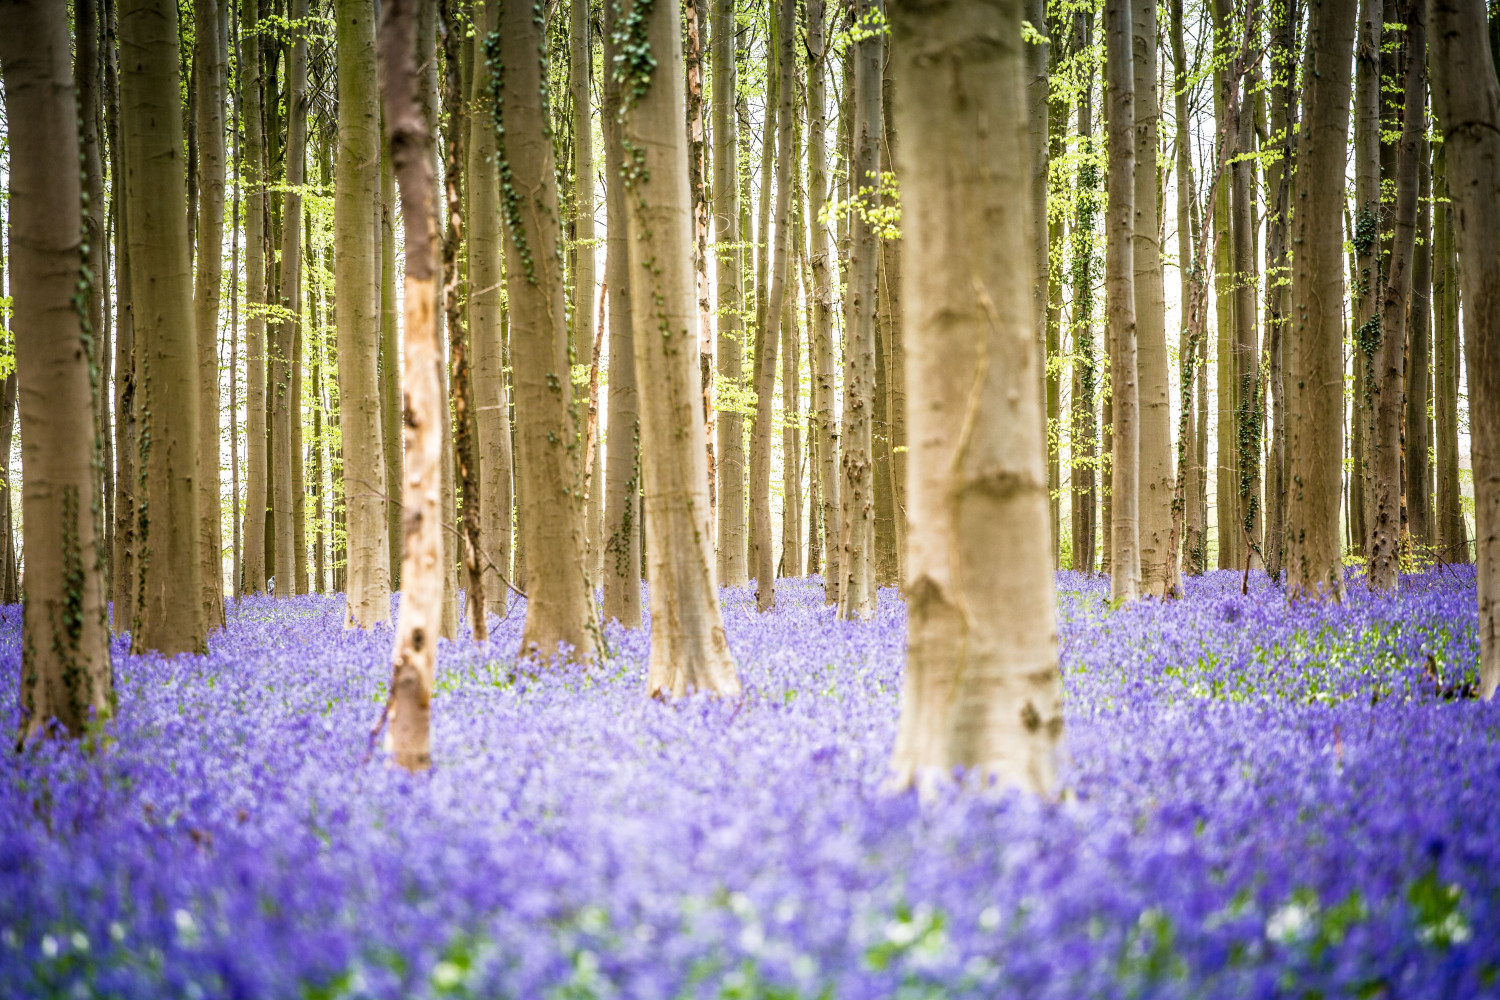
(688, 649)
(409, 709)
(821, 349)
(1390, 356)
(1315, 333)
(857, 487)
(162, 292)
(558, 608)
(65, 670)
(1119, 293)
(357, 317)
(1466, 98)
(486, 330)
(622, 487)
(255, 303)
(730, 460)
(982, 689)
(1156, 481)
(209, 68)
(762, 552)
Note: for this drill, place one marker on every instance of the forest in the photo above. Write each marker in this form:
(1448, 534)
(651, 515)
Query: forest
(749, 499)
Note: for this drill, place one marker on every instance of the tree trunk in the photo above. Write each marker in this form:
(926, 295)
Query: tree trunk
(66, 673)
(409, 709)
(688, 648)
(1390, 357)
(695, 24)
(1315, 334)
(209, 67)
(1119, 291)
(235, 511)
(255, 302)
(390, 370)
(1155, 482)
(581, 61)
(558, 607)
(730, 460)
(1193, 545)
(1452, 530)
(123, 576)
(821, 352)
(856, 490)
(982, 689)
(368, 584)
(1084, 431)
(155, 187)
(1466, 98)
(762, 550)
(1226, 483)
(1366, 240)
(1418, 420)
(1279, 171)
(894, 341)
(86, 81)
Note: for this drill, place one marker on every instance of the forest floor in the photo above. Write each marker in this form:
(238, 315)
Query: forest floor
(1262, 800)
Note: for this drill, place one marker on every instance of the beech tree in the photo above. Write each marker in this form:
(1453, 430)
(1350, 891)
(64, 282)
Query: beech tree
(66, 678)
(730, 459)
(256, 212)
(982, 690)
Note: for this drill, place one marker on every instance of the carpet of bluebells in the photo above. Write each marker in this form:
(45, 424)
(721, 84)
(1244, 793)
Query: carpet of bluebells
(1261, 800)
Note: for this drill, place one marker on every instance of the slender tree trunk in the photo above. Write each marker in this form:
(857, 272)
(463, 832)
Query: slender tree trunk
(486, 331)
(235, 511)
(65, 671)
(1466, 98)
(1315, 333)
(411, 140)
(355, 302)
(1390, 355)
(622, 558)
(1038, 97)
(730, 423)
(1279, 172)
(695, 24)
(762, 550)
(155, 187)
(1248, 390)
(1452, 530)
(1083, 433)
(581, 60)
(821, 353)
(209, 64)
(894, 341)
(1226, 492)
(255, 300)
(982, 689)
(1156, 480)
(558, 608)
(1187, 238)
(1119, 290)
(390, 369)
(1418, 419)
(1366, 240)
(856, 490)
(791, 379)
(688, 648)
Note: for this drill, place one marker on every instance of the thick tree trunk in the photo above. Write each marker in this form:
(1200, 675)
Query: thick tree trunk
(558, 608)
(155, 187)
(730, 460)
(409, 709)
(368, 584)
(982, 689)
(66, 673)
(821, 351)
(254, 167)
(688, 649)
(622, 487)
(1119, 292)
(762, 549)
(1315, 334)
(1156, 480)
(209, 67)
(1390, 356)
(1466, 98)
(486, 329)
(856, 489)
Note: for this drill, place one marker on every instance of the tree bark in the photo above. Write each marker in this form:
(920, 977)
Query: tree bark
(155, 186)
(1466, 98)
(1417, 424)
(1315, 335)
(688, 649)
(1452, 530)
(1083, 432)
(581, 60)
(1194, 554)
(407, 130)
(821, 353)
(1390, 355)
(357, 317)
(65, 672)
(1366, 240)
(695, 24)
(1226, 491)
(1279, 172)
(982, 689)
(390, 368)
(856, 489)
(558, 608)
(893, 342)
(254, 167)
(1119, 291)
(730, 423)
